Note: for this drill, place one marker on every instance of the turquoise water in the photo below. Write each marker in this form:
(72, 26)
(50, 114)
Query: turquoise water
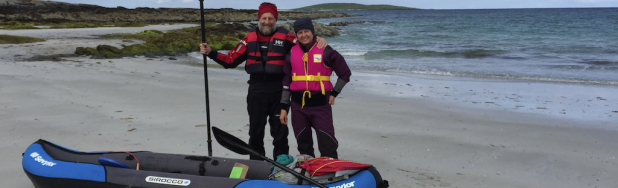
(555, 45)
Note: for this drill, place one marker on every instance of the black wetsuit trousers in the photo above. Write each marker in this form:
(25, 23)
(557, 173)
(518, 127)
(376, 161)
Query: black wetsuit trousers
(263, 102)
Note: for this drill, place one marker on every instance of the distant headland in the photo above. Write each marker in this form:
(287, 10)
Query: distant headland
(350, 6)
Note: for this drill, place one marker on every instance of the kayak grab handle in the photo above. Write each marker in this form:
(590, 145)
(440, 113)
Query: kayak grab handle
(111, 162)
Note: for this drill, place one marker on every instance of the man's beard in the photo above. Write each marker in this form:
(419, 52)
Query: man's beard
(265, 31)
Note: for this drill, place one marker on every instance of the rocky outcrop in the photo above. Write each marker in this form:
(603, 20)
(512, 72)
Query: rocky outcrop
(320, 29)
(55, 12)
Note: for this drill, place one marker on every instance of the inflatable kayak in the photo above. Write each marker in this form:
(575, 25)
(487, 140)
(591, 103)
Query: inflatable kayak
(52, 166)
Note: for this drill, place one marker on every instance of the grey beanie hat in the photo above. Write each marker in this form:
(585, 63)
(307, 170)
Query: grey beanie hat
(303, 23)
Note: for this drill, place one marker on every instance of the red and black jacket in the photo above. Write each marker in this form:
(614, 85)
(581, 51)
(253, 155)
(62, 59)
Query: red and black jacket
(249, 49)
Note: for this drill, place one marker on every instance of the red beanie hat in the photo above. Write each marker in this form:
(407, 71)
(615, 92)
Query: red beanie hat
(268, 7)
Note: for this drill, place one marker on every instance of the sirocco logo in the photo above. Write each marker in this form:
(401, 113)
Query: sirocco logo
(278, 42)
(40, 159)
(168, 181)
(345, 185)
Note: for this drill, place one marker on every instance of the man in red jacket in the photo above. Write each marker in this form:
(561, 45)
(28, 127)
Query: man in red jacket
(307, 79)
(264, 48)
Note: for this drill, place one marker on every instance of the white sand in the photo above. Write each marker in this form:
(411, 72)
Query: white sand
(434, 132)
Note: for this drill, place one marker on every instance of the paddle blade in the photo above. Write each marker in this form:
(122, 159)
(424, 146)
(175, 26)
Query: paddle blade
(231, 142)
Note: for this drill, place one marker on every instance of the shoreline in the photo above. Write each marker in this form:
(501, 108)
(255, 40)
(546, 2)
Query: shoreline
(420, 74)
(574, 101)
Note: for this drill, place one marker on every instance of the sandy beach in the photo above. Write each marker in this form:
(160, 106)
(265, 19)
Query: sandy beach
(419, 131)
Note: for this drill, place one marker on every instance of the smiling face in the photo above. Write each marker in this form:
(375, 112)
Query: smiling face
(304, 36)
(267, 24)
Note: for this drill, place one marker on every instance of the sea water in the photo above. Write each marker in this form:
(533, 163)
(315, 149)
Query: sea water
(574, 45)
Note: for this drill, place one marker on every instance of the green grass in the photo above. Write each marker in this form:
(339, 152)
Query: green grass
(10, 39)
(15, 25)
(144, 35)
(351, 6)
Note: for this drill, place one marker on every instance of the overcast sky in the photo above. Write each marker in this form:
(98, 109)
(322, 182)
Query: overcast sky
(291, 4)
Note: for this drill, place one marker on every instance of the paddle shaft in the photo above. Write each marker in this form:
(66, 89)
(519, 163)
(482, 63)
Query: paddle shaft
(206, 79)
(288, 170)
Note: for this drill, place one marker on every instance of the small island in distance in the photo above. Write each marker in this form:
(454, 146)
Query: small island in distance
(350, 6)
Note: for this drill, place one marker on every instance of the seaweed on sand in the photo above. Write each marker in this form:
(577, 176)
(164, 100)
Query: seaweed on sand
(10, 39)
(219, 37)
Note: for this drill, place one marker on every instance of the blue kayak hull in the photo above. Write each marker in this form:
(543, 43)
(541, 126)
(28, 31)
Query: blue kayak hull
(52, 166)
